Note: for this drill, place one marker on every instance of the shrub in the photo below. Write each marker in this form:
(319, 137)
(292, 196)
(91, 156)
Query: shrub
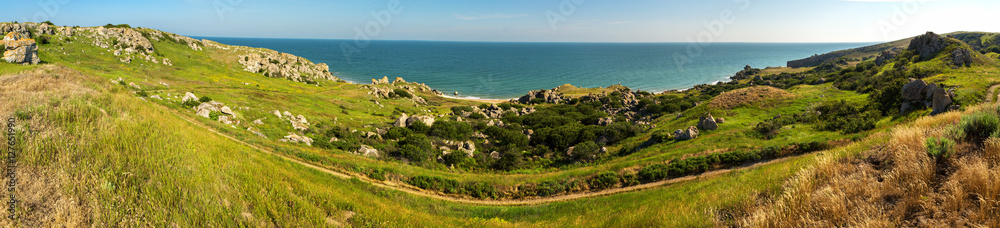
(43, 39)
(548, 188)
(978, 126)
(142, 93)
(451, 130)
(586, 151)
(375, 173)
(402, 93)
(214, 115)
(939, 147)
(653, 172)
(204, 99)
(481, 190)
(604, 180)
(459, 109)
(191, 103)
(398, 133)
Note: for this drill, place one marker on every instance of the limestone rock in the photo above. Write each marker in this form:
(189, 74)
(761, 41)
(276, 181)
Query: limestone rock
(225, 120)
(427, 120)
(189, 97)
(605, 121)
(720, 120)
(292, 137)
(707, 122)
(690, 133)
(204, 113)
(19, 49)
(399, 80)
(548, 96)
(368, 151)
(226, 110)
(495, 155)
(258, 122)
(401, 121)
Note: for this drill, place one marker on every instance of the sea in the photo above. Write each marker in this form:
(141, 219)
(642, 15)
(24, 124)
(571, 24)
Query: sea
(504, 70)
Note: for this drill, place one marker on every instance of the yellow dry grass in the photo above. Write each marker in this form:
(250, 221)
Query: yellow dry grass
(750, 95)
(893, 184)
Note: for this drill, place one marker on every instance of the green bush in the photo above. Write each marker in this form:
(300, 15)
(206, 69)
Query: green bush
(214, 115)
(459, 109)
(978, 126)
(482, 191)
(376, 173)
(142, 93)
(402, 93)
(204, 99)
(398, 133)
(191, 103)
(604, 180)
(939, 147)
(548, 188)
(654, 172)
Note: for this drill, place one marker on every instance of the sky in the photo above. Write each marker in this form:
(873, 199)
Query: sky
(529, 20)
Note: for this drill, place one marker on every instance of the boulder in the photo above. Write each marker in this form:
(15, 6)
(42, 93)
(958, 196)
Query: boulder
(18, 49)
(914, 90)
(292, 137)
(368, 151)
(690, 133)
(189, 97)
(941, 102)
(401, 121)
(399, 80)
(258, 122)
(225, 120)
(427, 120)
(207, 106)
(707, 122)
(926, 45)
(276, 113)
(720, 120)
(962, 57)
(204, 113)
(495, 155)
(605, 121)
(548, 96)
(226, 110)
(884, 57)
(468, 147)
(299, 123)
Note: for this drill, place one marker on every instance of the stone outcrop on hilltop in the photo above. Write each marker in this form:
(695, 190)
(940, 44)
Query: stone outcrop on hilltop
(962, 57)
(927, 44)
(746, 73)
(688, 134)
(21, 29)
(19, 49)
(283, 65)
(884, 57)
(917, 93)
(546, 96)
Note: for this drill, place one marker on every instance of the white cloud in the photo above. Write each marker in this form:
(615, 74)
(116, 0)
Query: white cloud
(490, 16)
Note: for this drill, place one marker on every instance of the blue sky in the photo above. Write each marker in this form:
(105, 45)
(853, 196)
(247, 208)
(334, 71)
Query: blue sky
(530, 20)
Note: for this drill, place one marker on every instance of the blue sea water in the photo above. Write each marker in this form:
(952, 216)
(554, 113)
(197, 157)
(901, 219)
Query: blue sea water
(507, 70)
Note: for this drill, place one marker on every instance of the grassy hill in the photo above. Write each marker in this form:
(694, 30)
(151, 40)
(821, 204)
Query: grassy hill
(109, 142)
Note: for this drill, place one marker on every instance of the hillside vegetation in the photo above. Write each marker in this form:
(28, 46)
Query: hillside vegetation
(136, 127)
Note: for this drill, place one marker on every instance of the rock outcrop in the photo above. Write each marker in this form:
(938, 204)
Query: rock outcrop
(962, 57)
(383, 81)
(707, 122)
(690, 133)
(19, 49)
(884, 57)
(427, 120)
(546, 96)
(283, 65)
(746, 73)
(292, 137)
(189, 97)
(917, 93)
(926, 45)
(368, 151)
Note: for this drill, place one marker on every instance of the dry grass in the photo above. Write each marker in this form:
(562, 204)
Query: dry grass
(746, 96)
(893, 184)
(43, 200)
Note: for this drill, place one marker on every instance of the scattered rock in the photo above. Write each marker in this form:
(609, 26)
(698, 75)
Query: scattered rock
(427, 120)
(368, 151)
(690, 133)
(156, 97)
(548, 96)
(189, 97)
(225, 120)
(605, 121)
(134, 86)
(226, 110)
(707, 122)
(258, 122)
(914, 90)
(720, 120)
(399, 80)
(401, 121)
(495, 155)
(204, 113)
(292, 137)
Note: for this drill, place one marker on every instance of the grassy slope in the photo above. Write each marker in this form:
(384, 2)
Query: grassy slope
(202, 73)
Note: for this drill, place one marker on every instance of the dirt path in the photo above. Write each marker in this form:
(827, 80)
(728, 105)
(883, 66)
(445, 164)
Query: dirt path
(992, 91)
(532, 201)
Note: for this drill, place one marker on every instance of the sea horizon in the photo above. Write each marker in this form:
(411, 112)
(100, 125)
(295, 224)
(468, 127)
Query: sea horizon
(506, 70)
